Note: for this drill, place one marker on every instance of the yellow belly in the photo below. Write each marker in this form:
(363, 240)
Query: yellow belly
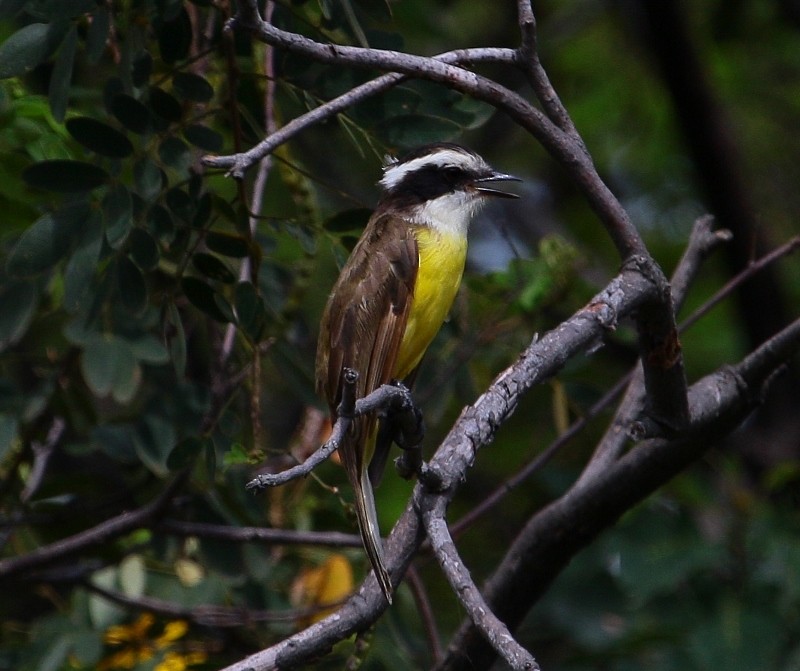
(441, 264)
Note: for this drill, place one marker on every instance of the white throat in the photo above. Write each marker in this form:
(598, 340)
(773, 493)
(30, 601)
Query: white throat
(449, 214)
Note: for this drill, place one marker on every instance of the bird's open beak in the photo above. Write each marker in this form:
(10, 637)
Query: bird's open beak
(496, 177)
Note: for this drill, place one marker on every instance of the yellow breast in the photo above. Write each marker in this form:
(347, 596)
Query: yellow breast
(441, 264)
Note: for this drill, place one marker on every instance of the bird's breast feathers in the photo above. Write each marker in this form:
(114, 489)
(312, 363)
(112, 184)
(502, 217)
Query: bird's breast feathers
(441, 264)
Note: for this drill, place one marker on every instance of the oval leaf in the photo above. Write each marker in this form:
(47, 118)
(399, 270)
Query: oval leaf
(205, 299)
(46, 241)
(180, 203)
(143, 249)
(225, 244)
(24, 50)
(185, 452)
(174, 153)
(99, 137)
(130, 113)
(118, 213)
(192, 87)
(409, 130)
(164, 105)
(141, 69)
(60, 80)
(210, 266)
(175, 37)
(149, 179)
(19, 301)
(131, 285)
(203, 137)
(105, 362)
(160, 223)
(65, 176)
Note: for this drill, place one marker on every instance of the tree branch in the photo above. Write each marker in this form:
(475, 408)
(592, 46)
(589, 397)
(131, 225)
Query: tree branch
(718, 402)
(392, 397)
(432, 511)
(258, 534)
(238, 164)
(116, 526)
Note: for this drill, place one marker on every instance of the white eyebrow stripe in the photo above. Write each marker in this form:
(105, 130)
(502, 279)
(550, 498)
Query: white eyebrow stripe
(395, 173)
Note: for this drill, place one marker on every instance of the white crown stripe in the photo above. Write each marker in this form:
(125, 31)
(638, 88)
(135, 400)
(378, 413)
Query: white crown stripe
(395, 173)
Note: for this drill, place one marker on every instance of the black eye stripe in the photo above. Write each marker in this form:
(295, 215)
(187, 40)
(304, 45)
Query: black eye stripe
(431, 182)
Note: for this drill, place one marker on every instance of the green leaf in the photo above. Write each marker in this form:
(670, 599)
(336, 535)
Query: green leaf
(185, 453)
(143, 249)
(192, 87)
(235, 456)
(174, 153)
(99, 137)
(46, 241)
(205, 299)
(251, 314)
(175, 37)
(226, 244)
(130, 113)
(141, 69)
(410, 130)
(109, 367)
(165, 105)
(148, 178)
(133, 575)
(148, 349)
(203, 210)
(115, 440)
(61, 77)
(154, 440)
(19, 301)
(131, 285)
(82, 265)
(203, 137)
(118, 213)
(25, 49)
(65, 176)
(159, 222)
(97, 34)
(180, 203)
(210, 266)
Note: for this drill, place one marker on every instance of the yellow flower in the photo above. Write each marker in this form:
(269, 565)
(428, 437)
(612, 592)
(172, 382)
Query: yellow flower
(140, 647)
(172, 632)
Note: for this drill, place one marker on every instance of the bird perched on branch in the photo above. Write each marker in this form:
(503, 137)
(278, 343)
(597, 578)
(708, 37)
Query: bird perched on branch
(392, 296)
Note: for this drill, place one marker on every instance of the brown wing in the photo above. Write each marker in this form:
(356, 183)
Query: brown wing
(362, 328)
(365, 318)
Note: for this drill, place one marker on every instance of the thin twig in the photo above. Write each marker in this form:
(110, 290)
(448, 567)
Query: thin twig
(336, 105)
(112, 528)
(426, 615)
(388, 396)
(41, 456)
(208, 615)
(570, 154)
(478, 611)
(258, 534)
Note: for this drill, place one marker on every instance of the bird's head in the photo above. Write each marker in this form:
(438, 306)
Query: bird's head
(439, 182)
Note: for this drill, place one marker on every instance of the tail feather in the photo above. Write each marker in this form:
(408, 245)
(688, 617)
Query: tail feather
(371, 534)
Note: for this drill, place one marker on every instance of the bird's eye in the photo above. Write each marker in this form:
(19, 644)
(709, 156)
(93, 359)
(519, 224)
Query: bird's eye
(452, 171)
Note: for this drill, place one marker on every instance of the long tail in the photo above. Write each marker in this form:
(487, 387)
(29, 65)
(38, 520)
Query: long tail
(370, 533)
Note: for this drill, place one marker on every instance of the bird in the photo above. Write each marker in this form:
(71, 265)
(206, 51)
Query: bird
(391, 298)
